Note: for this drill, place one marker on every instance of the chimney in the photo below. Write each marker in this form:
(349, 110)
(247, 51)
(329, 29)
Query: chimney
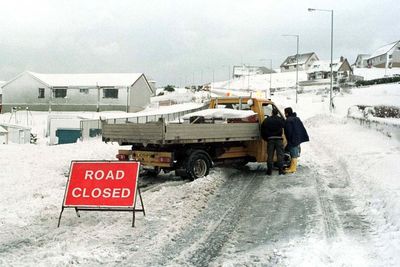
(341, 58)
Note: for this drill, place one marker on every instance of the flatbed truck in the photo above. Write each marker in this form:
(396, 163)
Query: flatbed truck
(192, 148)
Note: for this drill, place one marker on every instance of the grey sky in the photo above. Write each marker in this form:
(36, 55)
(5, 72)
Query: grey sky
(171, 41)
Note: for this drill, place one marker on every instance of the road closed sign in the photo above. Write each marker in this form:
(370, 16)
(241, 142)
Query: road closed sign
(102, 184)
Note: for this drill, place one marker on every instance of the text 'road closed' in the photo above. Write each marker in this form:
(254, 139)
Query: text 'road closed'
(102, 184)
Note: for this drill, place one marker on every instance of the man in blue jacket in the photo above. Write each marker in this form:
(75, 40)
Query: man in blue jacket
(271, 132)
(295, 135)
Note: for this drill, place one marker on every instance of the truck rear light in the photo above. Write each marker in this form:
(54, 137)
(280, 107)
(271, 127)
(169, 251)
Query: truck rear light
(164, 159)
(122, 157)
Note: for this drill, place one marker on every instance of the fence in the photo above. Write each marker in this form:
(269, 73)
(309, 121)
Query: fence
(92, 128)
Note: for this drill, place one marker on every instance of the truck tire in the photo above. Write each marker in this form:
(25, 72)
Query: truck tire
(197, 165)
(153, 172)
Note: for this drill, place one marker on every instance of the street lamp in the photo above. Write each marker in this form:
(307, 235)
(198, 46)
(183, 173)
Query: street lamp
(330, 91)
(297, 61)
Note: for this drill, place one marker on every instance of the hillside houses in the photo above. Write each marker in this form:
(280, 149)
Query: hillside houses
(320, 71)
(305, 61)
(77, 92)
(387, 56)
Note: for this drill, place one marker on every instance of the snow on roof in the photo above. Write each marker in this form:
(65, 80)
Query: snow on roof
(291, 60)
(383, 50)
(325, 65)
(221, 113)
(2, 130)
(88, 79)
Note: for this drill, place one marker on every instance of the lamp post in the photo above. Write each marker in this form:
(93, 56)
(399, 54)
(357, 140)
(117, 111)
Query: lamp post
(331, 87)
(297, 60)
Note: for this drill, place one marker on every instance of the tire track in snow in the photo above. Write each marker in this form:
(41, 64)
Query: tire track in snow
(202, 242)
(333, 184)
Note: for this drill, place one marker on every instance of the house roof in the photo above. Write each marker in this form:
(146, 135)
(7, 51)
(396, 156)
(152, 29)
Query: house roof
(291, 60)
(384, 49)
(83, 79)
(325, 65)
(88, 79)
(2, 130)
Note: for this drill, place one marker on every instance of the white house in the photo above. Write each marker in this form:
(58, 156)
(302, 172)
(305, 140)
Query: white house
(361, 61)
(304, 61)
(129, 92)
(321, 70)
(387, 56)
(245, 70)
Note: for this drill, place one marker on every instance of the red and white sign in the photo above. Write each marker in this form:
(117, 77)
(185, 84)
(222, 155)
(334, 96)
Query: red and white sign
(102, 184)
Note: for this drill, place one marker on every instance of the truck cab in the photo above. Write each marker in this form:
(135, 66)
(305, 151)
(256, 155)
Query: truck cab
(256, 150)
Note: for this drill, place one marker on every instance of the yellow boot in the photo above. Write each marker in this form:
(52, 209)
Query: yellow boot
(293, 166)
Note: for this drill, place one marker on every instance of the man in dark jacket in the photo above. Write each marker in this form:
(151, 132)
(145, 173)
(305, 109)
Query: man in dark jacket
(295, 135)
(271, 132)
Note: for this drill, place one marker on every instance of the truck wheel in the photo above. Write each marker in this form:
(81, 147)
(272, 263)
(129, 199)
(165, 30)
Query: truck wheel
(153, 172)
(197, 165)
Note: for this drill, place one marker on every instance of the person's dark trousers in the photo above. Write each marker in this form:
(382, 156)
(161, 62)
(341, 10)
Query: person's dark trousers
(275, 144)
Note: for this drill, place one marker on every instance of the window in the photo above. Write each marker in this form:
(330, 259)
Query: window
(110, 93)
(268, 110)
(60, 92)
(84, 91)
(41, 93)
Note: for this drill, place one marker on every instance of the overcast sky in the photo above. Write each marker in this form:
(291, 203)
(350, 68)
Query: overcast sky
(172, 41)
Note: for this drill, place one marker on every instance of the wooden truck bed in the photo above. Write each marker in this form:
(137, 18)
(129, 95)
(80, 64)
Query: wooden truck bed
(179, 133)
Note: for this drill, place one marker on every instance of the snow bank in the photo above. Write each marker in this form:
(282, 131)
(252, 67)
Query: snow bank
(33, 180)
(375, 73)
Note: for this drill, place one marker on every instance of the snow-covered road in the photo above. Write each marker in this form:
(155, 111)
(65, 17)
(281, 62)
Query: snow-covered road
(340, 209)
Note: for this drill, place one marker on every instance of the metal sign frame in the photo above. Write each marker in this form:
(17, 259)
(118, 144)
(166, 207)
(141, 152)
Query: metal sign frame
(78, 208)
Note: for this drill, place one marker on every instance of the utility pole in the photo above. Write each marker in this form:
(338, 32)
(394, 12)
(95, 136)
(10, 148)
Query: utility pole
(331, 86)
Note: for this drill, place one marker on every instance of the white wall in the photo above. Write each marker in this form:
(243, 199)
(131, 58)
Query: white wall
(24, 91)
(140, 94)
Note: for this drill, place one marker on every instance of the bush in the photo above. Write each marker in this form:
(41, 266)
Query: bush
(380, 111)
(169, 88)
(378, 81)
